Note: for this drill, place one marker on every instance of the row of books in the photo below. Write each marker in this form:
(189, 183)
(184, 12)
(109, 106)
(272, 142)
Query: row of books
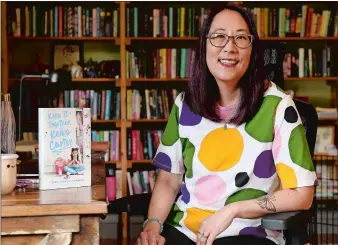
(63, 21)
(141, 181)
(304, 21)
(160, 63)
(150, 103)
(308, 63)
(104, 104)
(164, 22)
(142, 144)
(112, 136)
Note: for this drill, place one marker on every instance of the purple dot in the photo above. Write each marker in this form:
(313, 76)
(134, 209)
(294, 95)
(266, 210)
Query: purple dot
(188, 118)
(162, 161)
(254, 231)
(185, 194)
(265, 165)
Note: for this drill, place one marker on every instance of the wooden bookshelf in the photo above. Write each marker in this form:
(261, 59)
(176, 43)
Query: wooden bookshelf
(125, 82)
(77, 80)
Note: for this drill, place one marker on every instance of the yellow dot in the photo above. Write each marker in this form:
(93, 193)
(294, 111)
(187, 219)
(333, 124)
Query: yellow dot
(287, 176)
(221, 149)
(195, 217)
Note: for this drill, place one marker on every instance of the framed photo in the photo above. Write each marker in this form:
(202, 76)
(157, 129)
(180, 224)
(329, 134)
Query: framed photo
(325, 137)
(65, 54)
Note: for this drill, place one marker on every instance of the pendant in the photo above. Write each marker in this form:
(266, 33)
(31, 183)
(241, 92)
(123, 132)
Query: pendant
(225, 126)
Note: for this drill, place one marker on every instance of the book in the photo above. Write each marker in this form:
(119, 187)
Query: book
(64, 148)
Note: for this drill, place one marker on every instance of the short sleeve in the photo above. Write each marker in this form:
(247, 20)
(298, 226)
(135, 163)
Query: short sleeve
(290, 149)
(169, 155)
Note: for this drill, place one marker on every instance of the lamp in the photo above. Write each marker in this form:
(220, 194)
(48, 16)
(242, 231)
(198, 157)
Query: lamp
(53, 77)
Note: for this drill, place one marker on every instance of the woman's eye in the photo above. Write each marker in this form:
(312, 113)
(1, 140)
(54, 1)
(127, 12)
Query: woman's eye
(242, 37)
(217, 36)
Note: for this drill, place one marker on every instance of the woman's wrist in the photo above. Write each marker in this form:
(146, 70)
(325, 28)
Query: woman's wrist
(153, 225)
(233, 209)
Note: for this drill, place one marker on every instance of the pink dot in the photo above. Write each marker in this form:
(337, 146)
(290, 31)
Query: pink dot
(209, 189)
(277, 143)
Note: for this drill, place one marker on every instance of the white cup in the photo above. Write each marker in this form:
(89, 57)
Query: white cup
(8, 172)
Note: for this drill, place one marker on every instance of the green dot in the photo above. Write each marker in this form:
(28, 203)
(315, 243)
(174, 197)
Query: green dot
(299, 149)
(170, 135)
(261, 127)
(175, 216)
(188, 153)
(245, 194)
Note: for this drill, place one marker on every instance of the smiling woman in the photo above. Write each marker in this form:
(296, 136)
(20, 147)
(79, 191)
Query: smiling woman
(229, 147)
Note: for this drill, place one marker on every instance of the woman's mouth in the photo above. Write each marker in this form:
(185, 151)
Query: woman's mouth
(228, 62)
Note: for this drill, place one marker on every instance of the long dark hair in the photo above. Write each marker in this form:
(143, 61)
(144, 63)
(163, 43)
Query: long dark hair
(71, 154)
(203, 93)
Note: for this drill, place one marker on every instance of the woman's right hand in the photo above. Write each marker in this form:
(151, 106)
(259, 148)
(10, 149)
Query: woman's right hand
(150, 236)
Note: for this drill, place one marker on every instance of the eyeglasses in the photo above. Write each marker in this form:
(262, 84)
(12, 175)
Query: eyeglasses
(220, 40)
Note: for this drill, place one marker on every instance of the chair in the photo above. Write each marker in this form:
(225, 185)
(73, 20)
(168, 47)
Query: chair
(294, 224)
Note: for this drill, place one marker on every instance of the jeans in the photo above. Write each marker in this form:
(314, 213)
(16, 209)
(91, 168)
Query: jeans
(175, 237)
(73, 170)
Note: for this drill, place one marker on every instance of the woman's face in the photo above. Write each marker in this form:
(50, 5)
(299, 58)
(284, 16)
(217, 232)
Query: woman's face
(228, 64)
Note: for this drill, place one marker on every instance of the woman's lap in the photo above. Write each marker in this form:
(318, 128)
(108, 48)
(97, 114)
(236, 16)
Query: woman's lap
(175, 237)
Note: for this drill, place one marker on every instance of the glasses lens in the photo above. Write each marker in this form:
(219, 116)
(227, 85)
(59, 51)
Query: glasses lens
(243, 41)
(218, 40)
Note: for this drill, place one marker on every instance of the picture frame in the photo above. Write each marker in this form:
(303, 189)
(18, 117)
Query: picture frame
(325, 137)
(66, 53)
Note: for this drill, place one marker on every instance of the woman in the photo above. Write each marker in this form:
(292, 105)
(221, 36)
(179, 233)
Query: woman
(74, 166)
(233, 150)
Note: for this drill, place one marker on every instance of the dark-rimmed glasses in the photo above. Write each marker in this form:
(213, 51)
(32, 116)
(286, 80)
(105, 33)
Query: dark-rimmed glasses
(219, 40)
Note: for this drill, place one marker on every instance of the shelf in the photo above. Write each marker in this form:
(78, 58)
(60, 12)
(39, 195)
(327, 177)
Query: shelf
(104, 121)
(78, 80)
(311, 78)
(128, 39)
(65, 38)
(112, 162)
(140, 80)
(145, 120)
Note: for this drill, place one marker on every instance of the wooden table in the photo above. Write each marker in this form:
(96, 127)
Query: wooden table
(53, 217)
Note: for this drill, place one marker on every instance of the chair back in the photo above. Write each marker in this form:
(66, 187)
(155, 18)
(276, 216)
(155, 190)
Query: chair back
(309, 117)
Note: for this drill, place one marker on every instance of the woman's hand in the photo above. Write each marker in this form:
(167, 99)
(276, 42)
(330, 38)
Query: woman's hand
(150, 238)
(150, 235)
(215, 224)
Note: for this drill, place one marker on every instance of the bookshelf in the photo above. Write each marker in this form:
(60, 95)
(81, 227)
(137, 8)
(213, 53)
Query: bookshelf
(127, 42)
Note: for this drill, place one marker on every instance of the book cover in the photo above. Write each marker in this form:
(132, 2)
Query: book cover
(64, 147)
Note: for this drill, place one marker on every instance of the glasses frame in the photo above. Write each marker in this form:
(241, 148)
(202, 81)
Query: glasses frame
(230, 37)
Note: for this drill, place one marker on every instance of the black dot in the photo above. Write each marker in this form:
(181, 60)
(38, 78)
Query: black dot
(291, 115)
(241, 179)
(8, 166)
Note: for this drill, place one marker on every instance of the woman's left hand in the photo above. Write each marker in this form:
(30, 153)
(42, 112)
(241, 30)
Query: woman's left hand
(215, 224)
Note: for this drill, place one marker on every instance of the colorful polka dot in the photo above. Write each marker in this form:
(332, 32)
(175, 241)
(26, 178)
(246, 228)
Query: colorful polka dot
(258, 231)
(261, 126)
(194, 218)
(287, 176)
(170, 134)
(188, 118)
(299, 149)
(162, 161)
(241, 179)
(185, 194)
(175, 216)
(265, 165)
(291, 115)
(245, 194)
(188, 154)
(277, 144)
(221, 149)
(209, 189)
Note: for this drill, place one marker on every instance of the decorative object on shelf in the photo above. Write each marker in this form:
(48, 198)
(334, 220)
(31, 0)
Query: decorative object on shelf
(90, 68)
(8, 125)
(51, 78)
(324, 140)
(76, 71)
(8, 172)
(66, 54)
